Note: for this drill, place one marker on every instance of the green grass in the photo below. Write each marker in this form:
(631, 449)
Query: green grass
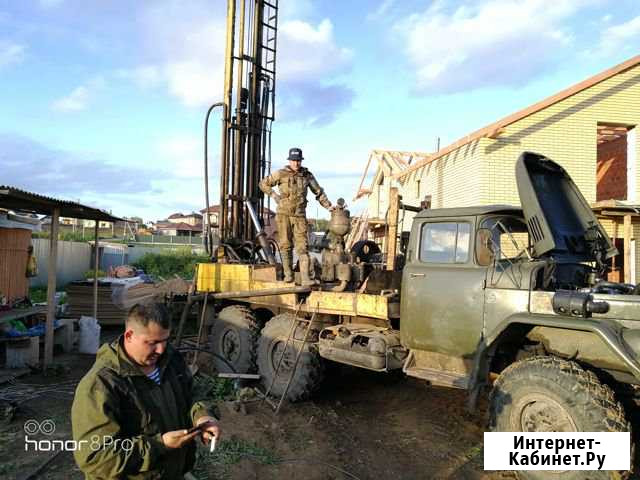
(7, 468)
(89, 274)
(175, 262)
(38, 294)
(212, 388)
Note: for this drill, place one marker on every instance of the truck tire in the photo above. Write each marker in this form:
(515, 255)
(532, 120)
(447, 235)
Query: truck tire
(548, 394)
(234, 336)
(310, 370)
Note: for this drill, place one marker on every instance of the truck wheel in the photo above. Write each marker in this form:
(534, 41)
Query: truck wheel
(548, 394)
(234, 336)
(310, 370)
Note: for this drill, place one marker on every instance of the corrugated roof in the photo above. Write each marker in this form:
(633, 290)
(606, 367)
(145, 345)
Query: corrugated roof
(492, 130)
(17, 199)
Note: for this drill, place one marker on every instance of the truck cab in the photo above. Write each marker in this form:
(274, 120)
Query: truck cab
(444, 300)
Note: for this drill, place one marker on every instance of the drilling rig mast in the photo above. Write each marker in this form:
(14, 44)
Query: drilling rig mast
(248, 113)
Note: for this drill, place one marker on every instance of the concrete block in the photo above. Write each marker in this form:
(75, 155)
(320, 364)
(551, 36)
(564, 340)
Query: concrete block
(22, 352)
(63, 335)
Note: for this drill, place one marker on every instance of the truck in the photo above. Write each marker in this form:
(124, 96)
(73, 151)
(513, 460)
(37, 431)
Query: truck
(510, 300)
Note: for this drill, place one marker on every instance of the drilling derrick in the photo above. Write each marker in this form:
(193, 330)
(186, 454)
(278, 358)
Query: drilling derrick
(248, 113)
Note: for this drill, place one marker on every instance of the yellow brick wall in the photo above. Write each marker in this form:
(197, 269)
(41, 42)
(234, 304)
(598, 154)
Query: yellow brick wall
(483, 171)
(636, 236)
(455, 180)
(566, 133)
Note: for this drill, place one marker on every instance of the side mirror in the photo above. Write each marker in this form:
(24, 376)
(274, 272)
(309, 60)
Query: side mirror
(484, 247)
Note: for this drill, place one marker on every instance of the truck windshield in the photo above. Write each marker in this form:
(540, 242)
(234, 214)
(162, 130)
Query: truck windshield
(510, 236)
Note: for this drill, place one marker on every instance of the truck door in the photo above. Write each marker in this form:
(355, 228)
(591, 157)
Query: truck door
(442, 288)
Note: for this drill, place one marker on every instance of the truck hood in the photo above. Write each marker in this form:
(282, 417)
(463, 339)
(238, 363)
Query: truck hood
(560, 221)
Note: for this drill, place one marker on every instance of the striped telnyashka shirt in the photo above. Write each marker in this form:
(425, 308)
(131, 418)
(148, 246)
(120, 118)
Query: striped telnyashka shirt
(155, 375)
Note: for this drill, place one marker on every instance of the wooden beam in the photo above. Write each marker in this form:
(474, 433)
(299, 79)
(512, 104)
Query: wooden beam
(392, 219)
(96, 265)
(364, 176)
(627, 249)
(51, 287)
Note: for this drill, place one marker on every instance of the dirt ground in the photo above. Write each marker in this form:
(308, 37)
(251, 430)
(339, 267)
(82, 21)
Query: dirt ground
(362, 425)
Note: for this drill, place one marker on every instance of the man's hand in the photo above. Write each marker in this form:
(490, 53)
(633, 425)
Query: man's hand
(177, 438)
(212, 429)
(332, 208)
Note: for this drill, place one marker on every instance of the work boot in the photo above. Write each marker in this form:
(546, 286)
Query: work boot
(286, 266)
(305, 280)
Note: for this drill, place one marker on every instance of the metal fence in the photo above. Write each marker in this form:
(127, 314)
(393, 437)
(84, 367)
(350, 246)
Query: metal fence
(171, 239)
(113, 256)
(74, 259)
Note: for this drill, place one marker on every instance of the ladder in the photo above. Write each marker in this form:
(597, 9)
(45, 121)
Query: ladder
(295, 322)
(268, 48)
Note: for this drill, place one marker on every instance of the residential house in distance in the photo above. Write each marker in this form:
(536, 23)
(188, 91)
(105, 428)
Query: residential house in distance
(178, 225)
(268, 219)
(589, 129)
(192, 218)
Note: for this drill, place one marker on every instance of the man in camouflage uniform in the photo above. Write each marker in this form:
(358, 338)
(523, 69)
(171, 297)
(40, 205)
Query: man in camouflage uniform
(293, 182)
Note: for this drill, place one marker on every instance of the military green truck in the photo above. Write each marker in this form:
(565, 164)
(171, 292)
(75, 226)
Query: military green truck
(512, 298)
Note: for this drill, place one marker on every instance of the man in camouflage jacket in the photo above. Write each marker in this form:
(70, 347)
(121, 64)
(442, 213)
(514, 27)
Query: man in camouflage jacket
(293, 182)
(132, 411)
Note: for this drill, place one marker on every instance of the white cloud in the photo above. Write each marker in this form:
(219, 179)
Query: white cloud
(624, 36)
(182, 155)
(145, 76)
(309, 52)
(79, 97)
(382, 10)
(499, 42)
(295, 9)
(74, 102)
(10, 53)
(186, 56)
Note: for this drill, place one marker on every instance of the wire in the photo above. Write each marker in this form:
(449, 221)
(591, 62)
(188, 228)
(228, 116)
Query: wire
(219, 357)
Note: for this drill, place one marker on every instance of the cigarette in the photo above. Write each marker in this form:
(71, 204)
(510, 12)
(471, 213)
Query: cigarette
(212, 444)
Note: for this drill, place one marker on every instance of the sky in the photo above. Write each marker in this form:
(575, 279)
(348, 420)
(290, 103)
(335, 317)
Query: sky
(104, 102)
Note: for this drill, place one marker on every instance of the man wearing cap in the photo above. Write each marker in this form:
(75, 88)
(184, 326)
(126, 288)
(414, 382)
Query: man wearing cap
(293, 181)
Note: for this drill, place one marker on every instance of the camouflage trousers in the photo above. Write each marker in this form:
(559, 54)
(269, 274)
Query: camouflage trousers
(292, 230)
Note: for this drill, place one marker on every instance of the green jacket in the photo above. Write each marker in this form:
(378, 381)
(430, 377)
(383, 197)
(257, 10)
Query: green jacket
(119, 415)
(293, 188)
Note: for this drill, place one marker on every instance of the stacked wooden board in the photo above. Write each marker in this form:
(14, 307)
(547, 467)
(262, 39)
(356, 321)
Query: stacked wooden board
(80, 298)
(116, 298)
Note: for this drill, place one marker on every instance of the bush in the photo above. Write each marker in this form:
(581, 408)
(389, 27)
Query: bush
(89, 274)
(165, 265)
(38, 294)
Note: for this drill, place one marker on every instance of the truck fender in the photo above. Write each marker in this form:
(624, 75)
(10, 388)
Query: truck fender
(608, 331)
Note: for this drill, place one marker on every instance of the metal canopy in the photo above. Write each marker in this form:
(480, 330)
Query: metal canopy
(16, 199)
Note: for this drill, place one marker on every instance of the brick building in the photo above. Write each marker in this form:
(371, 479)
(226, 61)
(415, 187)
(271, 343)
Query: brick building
(589, 128)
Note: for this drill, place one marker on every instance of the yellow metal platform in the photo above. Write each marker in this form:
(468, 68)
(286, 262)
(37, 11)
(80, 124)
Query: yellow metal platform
(226, 277)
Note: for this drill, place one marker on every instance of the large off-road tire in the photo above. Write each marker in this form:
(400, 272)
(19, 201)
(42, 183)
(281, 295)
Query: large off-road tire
(234, 336)
(310, 370)
(548, 394)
